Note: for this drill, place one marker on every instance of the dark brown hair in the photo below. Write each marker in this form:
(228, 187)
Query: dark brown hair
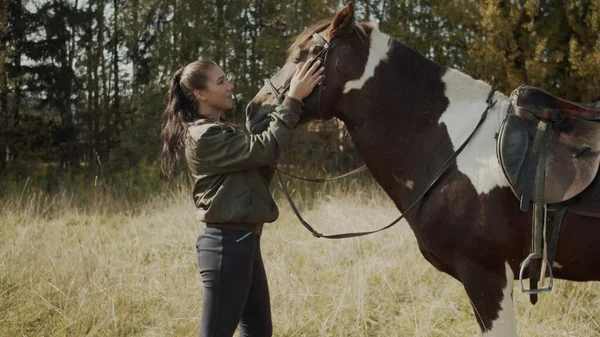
(181, 108)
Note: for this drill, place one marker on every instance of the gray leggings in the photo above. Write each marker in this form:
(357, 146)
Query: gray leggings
(235, 284)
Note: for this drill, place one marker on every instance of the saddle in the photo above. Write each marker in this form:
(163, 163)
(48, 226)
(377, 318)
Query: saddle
(549, 150)
(574, 148)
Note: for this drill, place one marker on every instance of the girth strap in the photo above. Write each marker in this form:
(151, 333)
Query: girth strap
(554, 216)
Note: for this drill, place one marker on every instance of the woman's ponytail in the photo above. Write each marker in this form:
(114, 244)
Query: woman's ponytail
(173, 124)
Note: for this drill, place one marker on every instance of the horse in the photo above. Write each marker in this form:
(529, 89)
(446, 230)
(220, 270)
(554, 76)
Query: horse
(406, 116)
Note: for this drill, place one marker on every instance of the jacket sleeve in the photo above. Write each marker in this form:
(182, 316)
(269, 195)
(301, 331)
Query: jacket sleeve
(221, 150)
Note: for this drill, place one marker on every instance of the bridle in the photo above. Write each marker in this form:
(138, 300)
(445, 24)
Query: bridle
(327, 46)
(280, 95)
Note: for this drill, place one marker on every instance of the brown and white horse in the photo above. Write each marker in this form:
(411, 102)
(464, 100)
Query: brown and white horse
(406, 116)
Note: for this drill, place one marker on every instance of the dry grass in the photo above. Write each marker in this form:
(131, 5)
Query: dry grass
(94, 272)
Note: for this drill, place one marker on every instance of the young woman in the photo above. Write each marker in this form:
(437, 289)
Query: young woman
(229, 171)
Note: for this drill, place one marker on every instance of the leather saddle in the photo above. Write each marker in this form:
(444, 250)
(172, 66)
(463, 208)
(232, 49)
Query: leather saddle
(573, 152)
(544, 105)
(549, 149)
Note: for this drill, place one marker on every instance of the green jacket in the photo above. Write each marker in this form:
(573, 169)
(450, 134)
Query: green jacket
(227, 167)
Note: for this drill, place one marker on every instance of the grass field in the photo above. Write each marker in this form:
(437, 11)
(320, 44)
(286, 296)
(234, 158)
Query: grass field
(110, 269)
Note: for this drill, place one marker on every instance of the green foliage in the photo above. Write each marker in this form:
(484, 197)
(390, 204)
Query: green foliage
(83, 83)
(551, 44)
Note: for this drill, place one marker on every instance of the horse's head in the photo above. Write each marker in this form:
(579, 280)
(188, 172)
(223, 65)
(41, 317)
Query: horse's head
(343, 49)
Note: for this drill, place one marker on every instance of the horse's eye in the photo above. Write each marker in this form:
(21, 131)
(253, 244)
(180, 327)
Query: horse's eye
(296, 60)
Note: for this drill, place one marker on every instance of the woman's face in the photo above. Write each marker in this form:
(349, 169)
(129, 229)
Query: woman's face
(219, 91)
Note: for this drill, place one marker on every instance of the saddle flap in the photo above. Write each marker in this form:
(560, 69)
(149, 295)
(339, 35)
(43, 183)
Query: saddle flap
(513, 143)
(573, 160)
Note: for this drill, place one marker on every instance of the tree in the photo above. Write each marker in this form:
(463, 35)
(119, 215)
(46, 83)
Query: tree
(551, 44)
(84, 77)
(4, 45)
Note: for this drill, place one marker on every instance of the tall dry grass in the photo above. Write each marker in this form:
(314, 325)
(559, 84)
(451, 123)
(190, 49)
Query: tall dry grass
(101, 270)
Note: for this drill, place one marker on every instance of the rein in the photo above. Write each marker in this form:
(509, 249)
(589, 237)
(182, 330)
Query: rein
(437, 176)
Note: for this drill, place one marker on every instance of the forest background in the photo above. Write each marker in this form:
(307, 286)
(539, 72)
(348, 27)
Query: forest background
(82, 82)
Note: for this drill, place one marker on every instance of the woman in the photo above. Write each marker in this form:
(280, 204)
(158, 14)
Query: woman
(229, 169)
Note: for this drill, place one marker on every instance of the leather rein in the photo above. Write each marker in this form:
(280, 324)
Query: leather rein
(280, 97)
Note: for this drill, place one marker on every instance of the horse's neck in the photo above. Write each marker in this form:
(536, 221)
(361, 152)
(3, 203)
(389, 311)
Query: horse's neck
(404, 148)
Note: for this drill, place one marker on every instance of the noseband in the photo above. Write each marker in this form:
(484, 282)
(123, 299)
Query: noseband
(327, 46)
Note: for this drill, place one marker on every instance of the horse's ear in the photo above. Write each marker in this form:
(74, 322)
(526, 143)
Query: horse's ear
(342, 21)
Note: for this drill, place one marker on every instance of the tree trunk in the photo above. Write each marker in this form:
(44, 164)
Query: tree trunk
(135, 48)
(219, 24)
(115, 64)
(74, 155)
(18, 37)
(3, 85)
(90, 88)
(98, 62)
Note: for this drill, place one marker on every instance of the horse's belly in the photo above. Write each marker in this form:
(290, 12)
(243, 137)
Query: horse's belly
(578, 249)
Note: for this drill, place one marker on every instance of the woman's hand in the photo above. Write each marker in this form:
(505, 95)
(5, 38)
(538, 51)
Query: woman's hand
(305, 79)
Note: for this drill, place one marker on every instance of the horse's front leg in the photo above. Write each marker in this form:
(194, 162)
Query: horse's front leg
(490, 292)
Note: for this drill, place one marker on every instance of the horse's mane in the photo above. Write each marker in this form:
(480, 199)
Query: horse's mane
(320, 26)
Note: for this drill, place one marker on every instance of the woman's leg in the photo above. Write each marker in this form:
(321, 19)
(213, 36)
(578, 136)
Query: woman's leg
(226, 265)
(256, 319)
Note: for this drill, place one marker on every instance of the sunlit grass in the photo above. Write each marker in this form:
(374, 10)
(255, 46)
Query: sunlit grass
(99, 270)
